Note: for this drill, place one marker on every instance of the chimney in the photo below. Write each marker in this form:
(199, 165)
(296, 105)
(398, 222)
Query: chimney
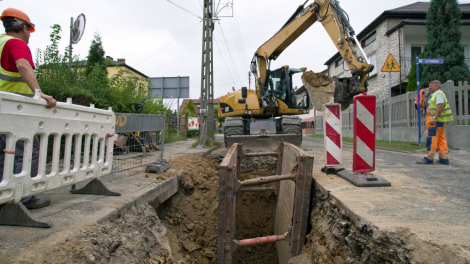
(109, 58)
(123, 61)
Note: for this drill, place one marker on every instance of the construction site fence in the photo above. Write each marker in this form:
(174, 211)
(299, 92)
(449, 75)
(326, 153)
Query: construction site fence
(140, 140)
(75, 144)
(405, 117)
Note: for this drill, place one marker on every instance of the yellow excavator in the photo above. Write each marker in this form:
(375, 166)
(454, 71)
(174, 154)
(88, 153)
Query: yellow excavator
(261, 118)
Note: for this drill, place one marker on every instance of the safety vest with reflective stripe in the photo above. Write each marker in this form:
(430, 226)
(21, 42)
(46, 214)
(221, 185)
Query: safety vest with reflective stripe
(446, 113)
(11, 81)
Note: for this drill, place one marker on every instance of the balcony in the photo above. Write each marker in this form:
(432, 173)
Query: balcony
(406, 66)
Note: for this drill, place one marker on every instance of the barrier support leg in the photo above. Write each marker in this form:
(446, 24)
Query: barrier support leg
(16, 214)
(95, 187)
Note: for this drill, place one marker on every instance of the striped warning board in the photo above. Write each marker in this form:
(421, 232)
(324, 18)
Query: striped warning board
(364, 133)
(332, 130)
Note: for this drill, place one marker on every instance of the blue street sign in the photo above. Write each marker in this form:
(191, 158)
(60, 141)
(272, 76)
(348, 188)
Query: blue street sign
(431, 61)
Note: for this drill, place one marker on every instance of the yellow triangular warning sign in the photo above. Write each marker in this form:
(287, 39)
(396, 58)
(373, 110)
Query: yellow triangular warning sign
(391, 65)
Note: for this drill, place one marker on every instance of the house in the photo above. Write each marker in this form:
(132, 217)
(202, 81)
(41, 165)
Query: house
(402, 33)
(113, 68)
(197, 102)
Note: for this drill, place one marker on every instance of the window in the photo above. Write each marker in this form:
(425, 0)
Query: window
(369, 39)
(373, 61)
(415, 52)
(339, 62)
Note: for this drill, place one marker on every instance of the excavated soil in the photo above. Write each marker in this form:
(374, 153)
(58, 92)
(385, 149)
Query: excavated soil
(134, 237)
(339, 236)
(256, 212)
(191, 215)
(316, 79)
(320, 88)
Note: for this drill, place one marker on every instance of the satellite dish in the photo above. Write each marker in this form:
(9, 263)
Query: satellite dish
(78, 28)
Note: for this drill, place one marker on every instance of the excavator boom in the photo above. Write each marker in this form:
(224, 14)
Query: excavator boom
(269, 113)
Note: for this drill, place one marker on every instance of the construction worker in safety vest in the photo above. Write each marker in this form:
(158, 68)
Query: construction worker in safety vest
(439, 113)
(17, 76)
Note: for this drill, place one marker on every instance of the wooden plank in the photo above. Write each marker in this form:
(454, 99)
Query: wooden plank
(228, 170)
(293, 202)
(285, 205)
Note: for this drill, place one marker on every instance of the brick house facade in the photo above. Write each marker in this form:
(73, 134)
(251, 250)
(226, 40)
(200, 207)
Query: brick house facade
(402, 33)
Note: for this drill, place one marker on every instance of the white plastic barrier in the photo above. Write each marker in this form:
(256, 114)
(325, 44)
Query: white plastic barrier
(22, 118)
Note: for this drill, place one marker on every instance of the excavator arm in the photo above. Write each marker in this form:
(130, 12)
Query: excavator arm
(335, 22)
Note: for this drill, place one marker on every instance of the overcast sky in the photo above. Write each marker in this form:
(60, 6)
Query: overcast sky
(159, 38)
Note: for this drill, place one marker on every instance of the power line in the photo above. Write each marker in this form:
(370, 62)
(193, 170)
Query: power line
(185, 10)
(240, 34)
(224, 61)
(229, 52)
(218, 84)
(236, 37)
(169, 43)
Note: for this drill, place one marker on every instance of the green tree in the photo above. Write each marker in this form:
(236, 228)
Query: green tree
(443, 21)
(96, 72)
(190, 108)
(412, 85)
(56, 77)
(95, 56)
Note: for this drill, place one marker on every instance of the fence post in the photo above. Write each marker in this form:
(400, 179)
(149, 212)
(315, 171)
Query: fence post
(449, 90)
(408, 110)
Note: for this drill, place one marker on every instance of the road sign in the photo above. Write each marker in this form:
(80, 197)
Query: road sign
(391, 65)
(431, 61)
(332, 134)
(364, 133)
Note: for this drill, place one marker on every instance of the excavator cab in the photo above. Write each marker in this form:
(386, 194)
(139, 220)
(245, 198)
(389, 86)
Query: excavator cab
(281, 86)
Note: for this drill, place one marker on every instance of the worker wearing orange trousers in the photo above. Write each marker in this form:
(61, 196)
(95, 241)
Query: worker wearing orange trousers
(438, 114)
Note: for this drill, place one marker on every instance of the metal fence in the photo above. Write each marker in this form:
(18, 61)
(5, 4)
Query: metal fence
(405, 117)
(140, 140)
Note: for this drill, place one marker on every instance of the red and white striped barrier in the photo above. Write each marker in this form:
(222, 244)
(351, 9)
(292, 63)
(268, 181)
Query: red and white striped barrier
(332, 131)
(364, 133)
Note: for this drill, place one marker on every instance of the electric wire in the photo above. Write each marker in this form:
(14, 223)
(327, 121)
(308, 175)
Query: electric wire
(219, 84)
(185, 10)
(216, 44)
(237, 44)
(169, 43)
(230, 54)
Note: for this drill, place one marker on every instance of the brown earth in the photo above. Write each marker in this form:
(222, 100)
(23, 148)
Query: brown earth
(191, 214)
(134, 237)
(183, 229)
(316, 79)
(320, 88)
(256, 212)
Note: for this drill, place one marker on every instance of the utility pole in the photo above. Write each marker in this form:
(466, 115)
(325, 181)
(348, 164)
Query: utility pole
(206, 115)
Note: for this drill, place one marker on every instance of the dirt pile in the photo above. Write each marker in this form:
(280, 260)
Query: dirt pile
(316, 79)
(256, 212)
(191, 215)
(134, 237)
(320, 88)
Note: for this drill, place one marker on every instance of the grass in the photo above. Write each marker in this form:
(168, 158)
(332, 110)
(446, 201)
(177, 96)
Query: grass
(210, 144)
(398, 145)
(173, 138)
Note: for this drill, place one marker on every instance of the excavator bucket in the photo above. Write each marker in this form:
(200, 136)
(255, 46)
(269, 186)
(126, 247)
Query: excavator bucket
(320, 88)
(270, 142)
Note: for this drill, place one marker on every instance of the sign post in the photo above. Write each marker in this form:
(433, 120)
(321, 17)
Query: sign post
(422, 61)
(390, 66)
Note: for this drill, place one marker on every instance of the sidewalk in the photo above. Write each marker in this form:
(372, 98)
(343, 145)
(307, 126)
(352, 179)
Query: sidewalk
(72, 213)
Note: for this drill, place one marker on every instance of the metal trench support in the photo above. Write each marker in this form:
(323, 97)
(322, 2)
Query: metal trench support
(292, 185)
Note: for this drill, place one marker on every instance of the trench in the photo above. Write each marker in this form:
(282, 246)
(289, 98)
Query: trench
(184, 228)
